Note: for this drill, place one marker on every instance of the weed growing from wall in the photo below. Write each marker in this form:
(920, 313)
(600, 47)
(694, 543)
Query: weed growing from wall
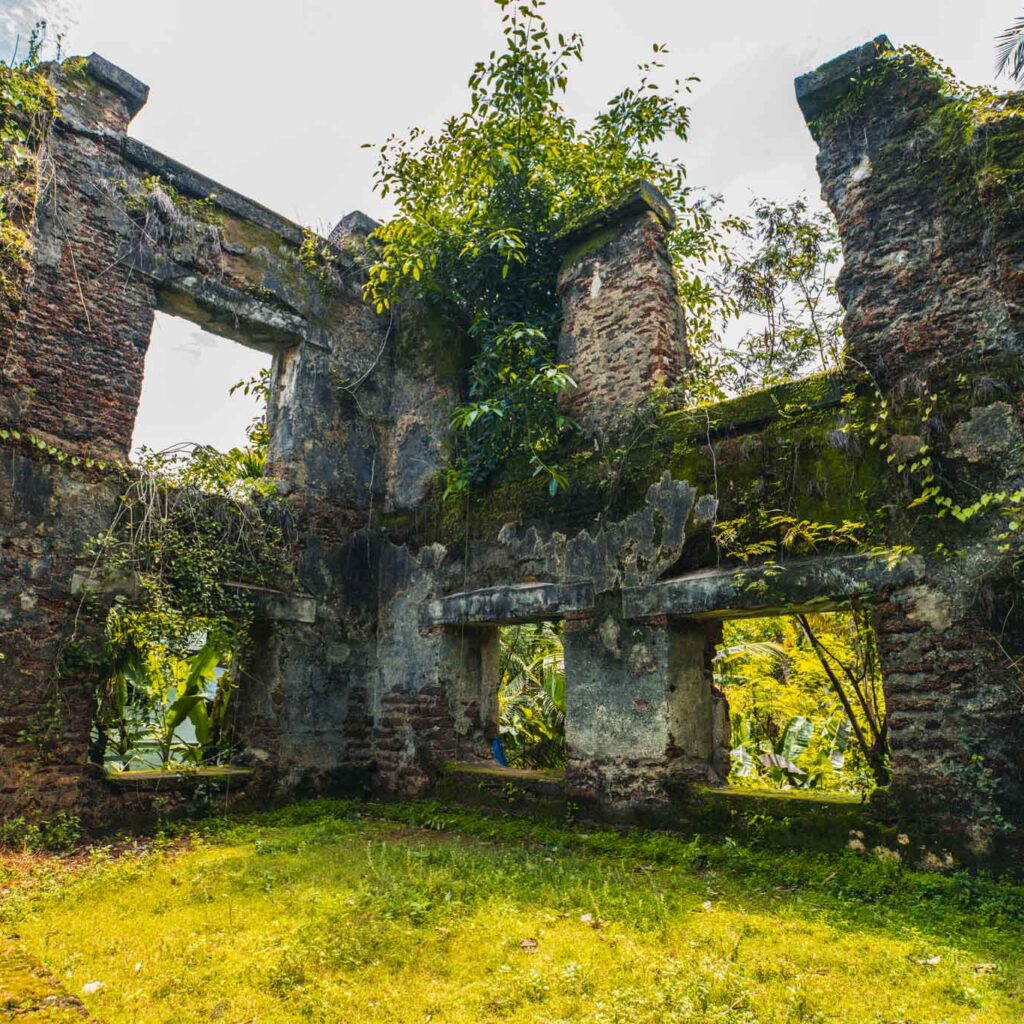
(27, 109)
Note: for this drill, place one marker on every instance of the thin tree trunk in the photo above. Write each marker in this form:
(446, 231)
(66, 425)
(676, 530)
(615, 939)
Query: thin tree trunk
(873, 752)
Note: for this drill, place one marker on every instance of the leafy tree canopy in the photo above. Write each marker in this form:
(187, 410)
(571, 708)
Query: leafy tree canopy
(480, 205)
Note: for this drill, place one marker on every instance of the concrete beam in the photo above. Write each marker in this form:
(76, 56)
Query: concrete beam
(810, 584)
(524, 602)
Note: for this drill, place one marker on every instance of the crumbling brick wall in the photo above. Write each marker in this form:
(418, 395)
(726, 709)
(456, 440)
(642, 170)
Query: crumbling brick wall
(376, 685)
(922, 177)
(120, 231)
(623, 332)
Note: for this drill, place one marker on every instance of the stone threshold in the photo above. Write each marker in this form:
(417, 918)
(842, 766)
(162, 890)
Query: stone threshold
(149, 780)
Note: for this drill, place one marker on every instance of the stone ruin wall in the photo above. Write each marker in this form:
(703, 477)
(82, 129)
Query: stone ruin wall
(383, 670)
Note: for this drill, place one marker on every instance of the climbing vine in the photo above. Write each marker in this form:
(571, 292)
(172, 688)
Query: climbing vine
(27, 109)
(195, 531)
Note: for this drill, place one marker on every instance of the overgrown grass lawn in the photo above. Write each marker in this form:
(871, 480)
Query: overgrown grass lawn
(344, 912)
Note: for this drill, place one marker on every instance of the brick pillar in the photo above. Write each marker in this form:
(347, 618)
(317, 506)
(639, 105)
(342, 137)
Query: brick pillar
(72, 369)
(953, 712)
(623, 330)
(923, 183)
(921, 189)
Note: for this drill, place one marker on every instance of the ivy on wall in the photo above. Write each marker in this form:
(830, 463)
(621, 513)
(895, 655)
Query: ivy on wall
(27, 108)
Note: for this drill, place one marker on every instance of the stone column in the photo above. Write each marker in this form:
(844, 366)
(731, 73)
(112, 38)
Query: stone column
(469, 671)
(698, 714)
(640, 714)
(953, 710)
(623, 331)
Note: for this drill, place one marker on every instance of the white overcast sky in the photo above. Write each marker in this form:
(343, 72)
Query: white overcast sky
(274, 99)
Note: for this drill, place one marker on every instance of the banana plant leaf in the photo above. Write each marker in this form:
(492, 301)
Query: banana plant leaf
(782, 763)
(181, 709)
(795, 738)
(841, 740)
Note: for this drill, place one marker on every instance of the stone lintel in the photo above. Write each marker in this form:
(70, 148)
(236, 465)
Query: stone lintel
(118, 80)
(819, 90)
(635, 198)
(523, 602)
(191, 183)
(811, 584)
(233, 314)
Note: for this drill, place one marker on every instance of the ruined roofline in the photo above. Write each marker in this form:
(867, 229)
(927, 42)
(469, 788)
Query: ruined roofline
(637, 197)
(179, 176)
(818, 91)
(106, 73)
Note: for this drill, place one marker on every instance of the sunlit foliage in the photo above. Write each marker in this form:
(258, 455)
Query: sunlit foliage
(806, 704)
(531, 698)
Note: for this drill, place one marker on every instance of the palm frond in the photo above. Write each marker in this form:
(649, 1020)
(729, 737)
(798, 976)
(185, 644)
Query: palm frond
(1010, 51)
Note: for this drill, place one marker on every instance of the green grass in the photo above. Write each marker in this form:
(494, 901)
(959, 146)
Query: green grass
(340, 911)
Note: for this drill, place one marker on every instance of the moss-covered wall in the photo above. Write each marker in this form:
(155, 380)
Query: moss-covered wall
(925, 184)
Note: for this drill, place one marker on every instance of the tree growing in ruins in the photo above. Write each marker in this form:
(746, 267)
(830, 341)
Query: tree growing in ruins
(480, 206)
(780, 272)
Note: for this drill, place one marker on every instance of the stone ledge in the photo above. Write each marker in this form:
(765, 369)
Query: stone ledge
(805, 585)
(819, 90)
(496, 772)
(524, 602)
(268, 605)
(110, 75)
(156, 779)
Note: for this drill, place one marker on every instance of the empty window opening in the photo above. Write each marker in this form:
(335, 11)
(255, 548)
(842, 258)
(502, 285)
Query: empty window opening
(186, 390)
(806, 707)
(166, 703)
(531, 697)
(780, 284)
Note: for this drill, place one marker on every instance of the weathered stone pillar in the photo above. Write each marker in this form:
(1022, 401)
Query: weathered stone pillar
(623, 330)
(469, 671)
(922, 188)
(698, 715)
(640, 715)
